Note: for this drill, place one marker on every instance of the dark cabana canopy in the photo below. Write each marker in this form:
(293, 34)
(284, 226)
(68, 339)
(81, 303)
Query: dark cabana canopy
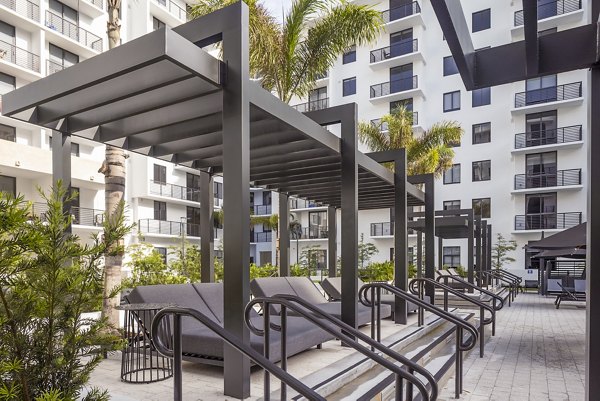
(570, 239)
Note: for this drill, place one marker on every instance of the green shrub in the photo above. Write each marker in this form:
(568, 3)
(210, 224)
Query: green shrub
(377, 271)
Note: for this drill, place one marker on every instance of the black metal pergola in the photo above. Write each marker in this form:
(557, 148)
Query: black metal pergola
(164, 96)
(535, 56)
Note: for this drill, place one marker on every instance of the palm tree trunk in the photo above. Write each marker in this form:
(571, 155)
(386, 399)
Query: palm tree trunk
(113, 169)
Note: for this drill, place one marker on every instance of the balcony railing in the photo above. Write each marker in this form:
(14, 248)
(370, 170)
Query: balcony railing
(558, 179)
(52, 67)
(174, 191)
(25, 8)
(395, 50)
(547, 221)
(164, 227)
(312, 105)
(260, 209)
(403, 11)
(315, 232)
(394, 86)
(303, 204)
(21, 57)
(382, 229)
(73, 31)
(174, 9)
(550, 94)
(265, 236)
(548, 137)
(384, 126)
(82, 216)
(551, 9)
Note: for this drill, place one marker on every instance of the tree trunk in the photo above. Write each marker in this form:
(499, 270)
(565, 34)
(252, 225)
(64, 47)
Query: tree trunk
(113, 169)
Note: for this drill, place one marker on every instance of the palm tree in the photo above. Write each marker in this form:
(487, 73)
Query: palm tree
(289, 57)
(429, 152)
(113, 169)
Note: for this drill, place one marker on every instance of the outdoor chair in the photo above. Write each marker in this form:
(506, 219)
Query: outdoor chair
(201, 345)
(530, 284)
(568, 295)
(452, 284)
(304, 288)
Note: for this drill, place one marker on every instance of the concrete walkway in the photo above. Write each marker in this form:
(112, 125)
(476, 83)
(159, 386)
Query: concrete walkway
(537, 355)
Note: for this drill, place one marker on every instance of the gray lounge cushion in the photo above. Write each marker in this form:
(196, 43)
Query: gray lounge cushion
(304, 288)
(208, 299)
(333, 287)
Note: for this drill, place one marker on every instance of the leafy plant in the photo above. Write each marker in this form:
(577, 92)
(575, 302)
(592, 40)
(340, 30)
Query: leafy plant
(297, 270)
(377, 271)
(185, 262)
(500, 251)
(267, 270)
(308, 259)
(148, 268)
(366, 250)
(48, 280)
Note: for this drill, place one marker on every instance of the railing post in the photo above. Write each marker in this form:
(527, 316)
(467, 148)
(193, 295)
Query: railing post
(283, 349)
(266, 349)
(177, 372)
(481, 332)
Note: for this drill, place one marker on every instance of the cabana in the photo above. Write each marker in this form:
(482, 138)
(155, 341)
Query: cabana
(164, 96)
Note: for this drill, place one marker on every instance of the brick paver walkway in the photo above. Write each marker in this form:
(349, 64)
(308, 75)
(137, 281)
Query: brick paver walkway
(537, 355)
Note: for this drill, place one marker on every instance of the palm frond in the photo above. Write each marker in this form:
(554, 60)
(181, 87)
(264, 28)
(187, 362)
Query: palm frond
(373, 137)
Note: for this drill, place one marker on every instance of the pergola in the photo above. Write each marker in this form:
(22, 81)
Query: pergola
(566, 50)
(164, 96)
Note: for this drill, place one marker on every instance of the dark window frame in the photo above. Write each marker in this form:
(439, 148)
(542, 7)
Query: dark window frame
(481, 163)
(454, 178)
(450, 255)
(349, 86)
(349, 56)
(449, 66)
(479, 137)
(477, 203)
(160, 211)
(453, 106)
(481, 97)
(13, 180)
(8, 133)
(450, 204)
(481, 20)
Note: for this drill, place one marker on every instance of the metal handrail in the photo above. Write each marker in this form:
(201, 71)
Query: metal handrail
(402, 11)
(18, 56)
(394, 86)
(558, 7)
(312, 105)
(174, 191)
(348, 335)
(552, 220)
(25, 8)
(487, 274)
(395, 50)
(176, 352)
(473, 286)
(559, 178)
(460, 324)
(550, 94)
(529, 139)
(417, 286)
(518, 279)
(73, 31)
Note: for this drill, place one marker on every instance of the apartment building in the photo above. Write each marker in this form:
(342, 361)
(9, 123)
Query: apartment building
(521, 162)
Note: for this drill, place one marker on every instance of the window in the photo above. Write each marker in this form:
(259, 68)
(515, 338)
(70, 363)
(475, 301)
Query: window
(160, 210)
(349, 86)
(452, 175)
(317, 224)
(452, 101)
(317, 99)
(192, 183)
(157, 24)
(482, 207)
(451, 256)
(193, 221)
(406, 103)
(60, 59)
(450, 67)
(540, 211)
(481, 97)
(267, 198)
(482, 133)
(162, 252)
(400, 43)
(8, 133)
(482, 170)
(482, 20)
(349, 56)
(264, 257)
(541, 170)
(541, 128)
(218, 190)
(540, 90)
(401, 78)
(7, 83)
(160, 174)
(8, 185)
(452, 205)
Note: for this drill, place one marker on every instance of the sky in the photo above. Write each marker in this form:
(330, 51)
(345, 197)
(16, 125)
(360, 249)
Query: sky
(276, 7)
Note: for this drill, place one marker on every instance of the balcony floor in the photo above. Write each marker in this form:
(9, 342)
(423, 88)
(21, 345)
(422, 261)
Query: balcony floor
(538, 354)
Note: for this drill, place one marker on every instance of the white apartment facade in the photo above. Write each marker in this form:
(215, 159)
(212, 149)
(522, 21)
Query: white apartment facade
(523, 155)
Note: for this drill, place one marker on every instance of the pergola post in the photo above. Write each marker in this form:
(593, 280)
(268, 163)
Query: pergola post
(349, 227)
(478, 249)
(429, 235)
(484, 253)
(440, 253)
(284, 235)
(489, 247)
(470, 244)
(61, 166)
(236, 186)
(419, 253)
(331, 241)
(207, 231)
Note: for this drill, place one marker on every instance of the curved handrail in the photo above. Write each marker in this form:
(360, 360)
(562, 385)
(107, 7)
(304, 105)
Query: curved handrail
(362, 294)
(517, 279)
(234, 342)
(316, 316)
(473, 286)
(500, 277)
(413, 286)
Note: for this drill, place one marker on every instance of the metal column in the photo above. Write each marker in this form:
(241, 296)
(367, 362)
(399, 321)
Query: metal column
(429, 235)
(478, 249)
(419, 254)
(440, 253)
(207, 231)
(470, 241)
(332, 241)
(484, 246)
(236, 187)
(349, 228)
(284, 235)
(489, 248)
(61, 166)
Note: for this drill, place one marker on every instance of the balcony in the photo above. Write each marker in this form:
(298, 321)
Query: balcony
(315, 232)
(396, 54)
(261, 210)
(570, 179)
(81, 216)
(384, 126)
(19, 57)
(548, 98)
(169, 228)
(550, 138)
(382, 229)
(553, 13)
(404, 16)
(25, 8)
(174, 9)
(52, 67)
(303, 204)
(397, 89)
(312, 105)
(174, 191)
(265, 236)
(547, 221)
(73, 31)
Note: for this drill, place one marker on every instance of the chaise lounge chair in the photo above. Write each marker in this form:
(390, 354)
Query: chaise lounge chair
(200, 344)
(304, 288)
